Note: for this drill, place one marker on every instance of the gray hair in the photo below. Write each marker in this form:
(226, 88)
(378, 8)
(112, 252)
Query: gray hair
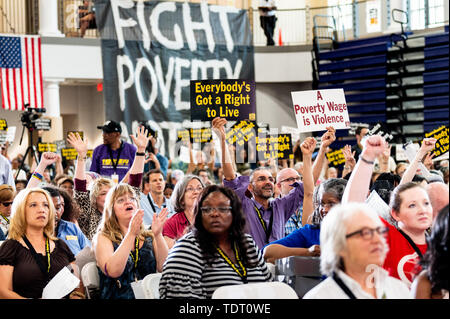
(333, 186)
(333, 231)
(180, 190)
(261, 168)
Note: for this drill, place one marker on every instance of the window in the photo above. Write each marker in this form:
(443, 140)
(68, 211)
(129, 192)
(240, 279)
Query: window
(425, 13)
(435, 13)
(342, 10)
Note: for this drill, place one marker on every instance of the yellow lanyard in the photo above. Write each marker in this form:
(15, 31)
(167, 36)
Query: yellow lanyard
(4, 217)
(263, 223)
(135, 258)
(243, 275)
(47, 249)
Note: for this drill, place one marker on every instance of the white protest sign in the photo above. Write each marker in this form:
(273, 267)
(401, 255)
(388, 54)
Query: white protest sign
(315, 110)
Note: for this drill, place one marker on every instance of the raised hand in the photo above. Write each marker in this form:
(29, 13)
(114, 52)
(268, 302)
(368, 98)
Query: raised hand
(134, 227)
(427, 145)
(141, 139)
(308, 146)
(218, 126)
(349, 155)
(158, 221)
(374, 146)
(78, 144)
(48, 158)
(328, 137)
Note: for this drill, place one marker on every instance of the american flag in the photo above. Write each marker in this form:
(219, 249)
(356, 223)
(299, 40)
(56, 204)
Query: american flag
(21, 72)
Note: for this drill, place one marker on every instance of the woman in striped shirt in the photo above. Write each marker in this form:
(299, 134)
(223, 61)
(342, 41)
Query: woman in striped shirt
(216, 253)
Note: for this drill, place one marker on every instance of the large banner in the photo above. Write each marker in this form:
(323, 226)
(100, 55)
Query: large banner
(152, 50)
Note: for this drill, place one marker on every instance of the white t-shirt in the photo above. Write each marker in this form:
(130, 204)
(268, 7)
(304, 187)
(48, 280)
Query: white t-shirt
(386, 288)
(267, 3)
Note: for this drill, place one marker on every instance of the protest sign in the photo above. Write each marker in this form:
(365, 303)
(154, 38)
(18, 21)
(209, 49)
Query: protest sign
(274, 146)
(47, 147)
(195, 135)
(69, 153)
(3, 125)
(231, 99)
(317, 109)
(442, 143)
(336, 157)
(241, 132)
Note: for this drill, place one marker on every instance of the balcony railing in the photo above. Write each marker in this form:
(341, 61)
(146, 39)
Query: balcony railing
(294, 26)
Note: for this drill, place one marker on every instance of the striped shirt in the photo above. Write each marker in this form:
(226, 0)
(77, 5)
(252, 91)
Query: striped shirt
(187, 275)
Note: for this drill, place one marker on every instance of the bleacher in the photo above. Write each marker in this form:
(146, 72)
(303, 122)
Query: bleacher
(398, 79)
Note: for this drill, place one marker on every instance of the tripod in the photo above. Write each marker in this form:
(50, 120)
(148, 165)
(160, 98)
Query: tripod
(31, 150)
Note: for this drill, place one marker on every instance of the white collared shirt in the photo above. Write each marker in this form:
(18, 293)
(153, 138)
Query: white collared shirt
(386, 287)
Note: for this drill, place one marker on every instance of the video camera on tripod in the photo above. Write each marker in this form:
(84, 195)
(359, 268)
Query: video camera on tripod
(30, 118)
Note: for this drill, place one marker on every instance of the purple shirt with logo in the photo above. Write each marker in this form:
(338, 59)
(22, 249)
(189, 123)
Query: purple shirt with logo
(102, 164)
(283, 208)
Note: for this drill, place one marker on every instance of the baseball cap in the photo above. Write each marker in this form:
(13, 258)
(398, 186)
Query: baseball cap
(110, 127)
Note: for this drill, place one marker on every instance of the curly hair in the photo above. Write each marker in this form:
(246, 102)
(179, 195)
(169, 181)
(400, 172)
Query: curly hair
(333, 186)
(207, 241)
(436, 258)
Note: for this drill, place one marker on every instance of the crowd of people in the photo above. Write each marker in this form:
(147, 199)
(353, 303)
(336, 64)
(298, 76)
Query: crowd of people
(211, 223)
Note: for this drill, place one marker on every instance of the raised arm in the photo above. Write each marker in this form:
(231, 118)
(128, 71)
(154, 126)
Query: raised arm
(140, 140)
(359, 182)
(218, 125)
(159, 244)
(326, 140)
(350, 161)
(427, 146)
(307, 148)
(47, 158)
(81, 147)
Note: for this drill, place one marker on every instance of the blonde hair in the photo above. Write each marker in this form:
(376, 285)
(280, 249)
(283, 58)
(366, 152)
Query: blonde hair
(18, 222)
(109, 225)
(96, 187)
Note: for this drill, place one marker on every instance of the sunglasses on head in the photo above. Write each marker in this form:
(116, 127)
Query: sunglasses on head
(6, 204)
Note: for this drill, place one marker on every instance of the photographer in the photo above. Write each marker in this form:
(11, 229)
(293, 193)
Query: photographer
(154, 159)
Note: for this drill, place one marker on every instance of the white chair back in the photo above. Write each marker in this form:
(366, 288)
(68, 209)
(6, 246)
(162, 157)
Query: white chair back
(90, 277)
(264, 290)
(150, 285)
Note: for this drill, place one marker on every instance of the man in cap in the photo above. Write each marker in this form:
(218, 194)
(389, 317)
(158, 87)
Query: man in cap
(114, 156)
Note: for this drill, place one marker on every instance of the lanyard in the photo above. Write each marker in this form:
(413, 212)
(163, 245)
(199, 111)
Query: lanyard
(6, 219)
(152, 205)
(411, 243)
(136, 251)
(343, 286)
(267, 230)
(115, 163)
(243, 275)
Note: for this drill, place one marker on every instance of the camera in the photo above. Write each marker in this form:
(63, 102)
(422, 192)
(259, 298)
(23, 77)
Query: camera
(29, 117)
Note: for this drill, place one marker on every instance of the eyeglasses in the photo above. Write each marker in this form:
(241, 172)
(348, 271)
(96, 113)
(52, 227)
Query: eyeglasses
(263, 179)
(192, 189)
(6, 204)
(367, 233)
(209, 210)
(122, 200)
(291, 179)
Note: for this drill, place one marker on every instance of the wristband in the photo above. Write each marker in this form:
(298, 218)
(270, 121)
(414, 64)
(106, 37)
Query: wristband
(38, 176)
(140, 153)
(366, 161)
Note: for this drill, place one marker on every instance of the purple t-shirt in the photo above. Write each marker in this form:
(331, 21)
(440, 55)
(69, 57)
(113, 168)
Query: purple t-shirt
(283, 208)
(102, 163)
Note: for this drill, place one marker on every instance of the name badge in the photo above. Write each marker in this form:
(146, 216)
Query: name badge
(71, 237)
